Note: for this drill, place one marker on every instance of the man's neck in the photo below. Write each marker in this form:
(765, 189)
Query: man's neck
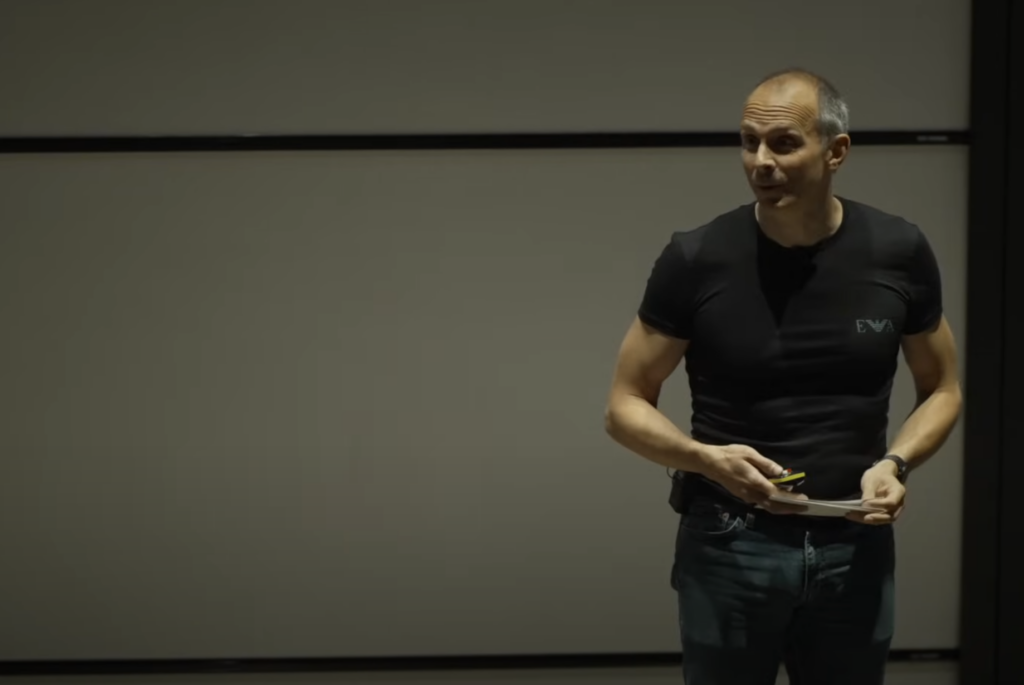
(801, 225)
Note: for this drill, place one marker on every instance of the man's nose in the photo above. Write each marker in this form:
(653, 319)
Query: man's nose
(764, 158)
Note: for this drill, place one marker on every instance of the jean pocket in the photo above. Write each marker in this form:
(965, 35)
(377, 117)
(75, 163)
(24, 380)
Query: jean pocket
(709, 520)
(705, 525)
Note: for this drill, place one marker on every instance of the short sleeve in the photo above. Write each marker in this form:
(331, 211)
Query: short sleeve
(667, 303)
(924, 308)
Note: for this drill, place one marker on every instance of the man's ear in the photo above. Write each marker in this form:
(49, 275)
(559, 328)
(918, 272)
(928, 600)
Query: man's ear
(838, 151)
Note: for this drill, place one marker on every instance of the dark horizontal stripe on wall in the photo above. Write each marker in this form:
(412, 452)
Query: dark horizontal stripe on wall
(483, 141)
(326, 665)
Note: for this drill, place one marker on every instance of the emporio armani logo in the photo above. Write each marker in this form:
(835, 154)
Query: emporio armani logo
(875, 326)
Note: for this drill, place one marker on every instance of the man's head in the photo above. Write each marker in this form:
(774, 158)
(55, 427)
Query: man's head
(795, 137)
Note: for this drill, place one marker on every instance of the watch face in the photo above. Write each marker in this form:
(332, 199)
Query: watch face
(901, 465)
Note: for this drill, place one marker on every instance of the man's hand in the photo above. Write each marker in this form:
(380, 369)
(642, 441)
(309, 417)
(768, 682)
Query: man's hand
(744, 472)
(880, 489)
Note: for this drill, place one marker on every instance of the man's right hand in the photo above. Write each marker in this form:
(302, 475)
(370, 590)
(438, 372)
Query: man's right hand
(744, 472)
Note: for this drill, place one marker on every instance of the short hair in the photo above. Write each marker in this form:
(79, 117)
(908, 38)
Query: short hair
(833, 112)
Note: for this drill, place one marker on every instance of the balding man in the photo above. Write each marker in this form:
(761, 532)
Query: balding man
(790, 312)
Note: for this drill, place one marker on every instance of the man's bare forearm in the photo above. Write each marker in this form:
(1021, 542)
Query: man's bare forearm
(928, 426)
(640, 427)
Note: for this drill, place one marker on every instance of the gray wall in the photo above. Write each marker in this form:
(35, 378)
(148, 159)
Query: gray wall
(349, 404)
(380, 66)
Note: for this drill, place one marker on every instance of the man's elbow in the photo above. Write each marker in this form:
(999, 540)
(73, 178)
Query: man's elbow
(956, 396)
(615, 414)
(950, 392)
(611, 418)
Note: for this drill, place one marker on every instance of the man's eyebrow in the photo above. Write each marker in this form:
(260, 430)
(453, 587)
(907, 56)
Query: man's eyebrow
(789, 130)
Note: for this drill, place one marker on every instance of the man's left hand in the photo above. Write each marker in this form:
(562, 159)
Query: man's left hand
(882, 490)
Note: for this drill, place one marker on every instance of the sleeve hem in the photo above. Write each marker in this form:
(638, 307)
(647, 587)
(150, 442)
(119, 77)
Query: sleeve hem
(926, 324)
(662, 326)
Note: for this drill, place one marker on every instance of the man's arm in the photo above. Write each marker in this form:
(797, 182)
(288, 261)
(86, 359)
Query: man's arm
(931, 357)
(646, 359)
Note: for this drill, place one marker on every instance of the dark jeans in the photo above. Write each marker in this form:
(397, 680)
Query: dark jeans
(757, 590)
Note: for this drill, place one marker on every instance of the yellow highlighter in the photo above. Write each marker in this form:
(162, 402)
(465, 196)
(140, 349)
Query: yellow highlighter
(788, 477)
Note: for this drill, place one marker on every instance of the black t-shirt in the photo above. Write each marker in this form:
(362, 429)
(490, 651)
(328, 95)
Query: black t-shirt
(793, 351)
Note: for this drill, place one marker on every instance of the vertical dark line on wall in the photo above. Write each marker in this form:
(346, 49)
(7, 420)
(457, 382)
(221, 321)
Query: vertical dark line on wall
(985, 410)
(1010, 662)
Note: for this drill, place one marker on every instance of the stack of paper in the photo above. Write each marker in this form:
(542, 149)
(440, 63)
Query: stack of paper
(820, 507)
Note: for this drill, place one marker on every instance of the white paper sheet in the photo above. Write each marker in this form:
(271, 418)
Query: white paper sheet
(817, 507)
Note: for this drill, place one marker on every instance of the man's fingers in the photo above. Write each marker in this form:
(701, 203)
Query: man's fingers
(888, 504)
(883, 511)
(752, 495)
(776, 507)
(756, 488)
(869, 519)
(766, 466)
(878, 519)
(757, 494)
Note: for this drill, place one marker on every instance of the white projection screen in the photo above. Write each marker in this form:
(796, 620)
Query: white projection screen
(350, 403)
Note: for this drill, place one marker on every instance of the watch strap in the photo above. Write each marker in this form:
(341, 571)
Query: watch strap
(901, 465)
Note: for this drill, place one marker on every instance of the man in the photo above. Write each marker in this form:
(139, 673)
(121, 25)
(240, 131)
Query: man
(790, 313)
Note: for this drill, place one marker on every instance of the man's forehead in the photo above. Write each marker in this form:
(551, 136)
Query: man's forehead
(779, 114)
(777, 120)
(771, 128)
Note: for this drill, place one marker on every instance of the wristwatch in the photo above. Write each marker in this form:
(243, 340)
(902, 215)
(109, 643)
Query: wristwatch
(901, 466)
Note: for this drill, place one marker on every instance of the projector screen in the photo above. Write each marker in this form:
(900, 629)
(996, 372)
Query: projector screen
(350, 404)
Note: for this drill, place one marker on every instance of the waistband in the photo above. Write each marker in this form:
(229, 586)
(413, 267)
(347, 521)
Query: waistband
(687, 488)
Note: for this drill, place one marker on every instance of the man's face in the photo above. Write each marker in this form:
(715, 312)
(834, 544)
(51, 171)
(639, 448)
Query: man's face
(785, 158)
